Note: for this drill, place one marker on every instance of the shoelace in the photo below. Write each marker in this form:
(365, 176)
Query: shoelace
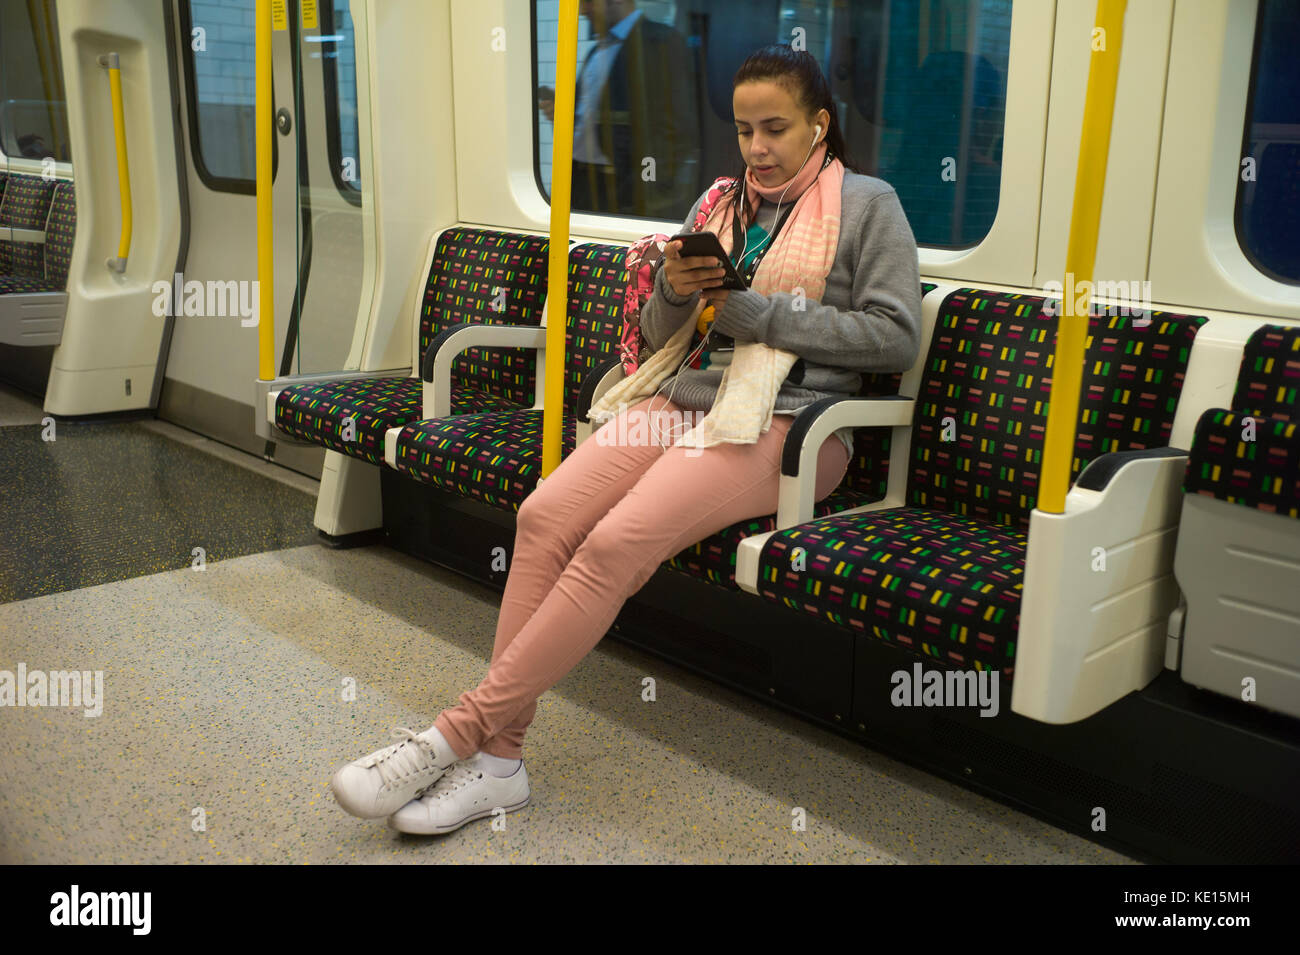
(403, 760)
(461, 775)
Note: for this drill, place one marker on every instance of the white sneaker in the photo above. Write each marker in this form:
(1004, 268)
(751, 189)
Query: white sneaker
(381, 783)
(464, 794)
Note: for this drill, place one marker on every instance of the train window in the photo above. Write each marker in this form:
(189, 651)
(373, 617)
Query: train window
(1268, 187)
(219, 78)
(919, 90)
(339, 64)
(33, 112)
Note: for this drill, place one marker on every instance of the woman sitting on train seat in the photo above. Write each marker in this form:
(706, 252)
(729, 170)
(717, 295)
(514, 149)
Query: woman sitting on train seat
(834, 292)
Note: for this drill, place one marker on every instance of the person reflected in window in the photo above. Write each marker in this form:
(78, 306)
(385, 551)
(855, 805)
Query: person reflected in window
(636, 121)
(32, 146)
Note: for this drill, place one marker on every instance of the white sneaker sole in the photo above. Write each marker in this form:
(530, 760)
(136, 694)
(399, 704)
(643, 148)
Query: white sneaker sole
(431, 830)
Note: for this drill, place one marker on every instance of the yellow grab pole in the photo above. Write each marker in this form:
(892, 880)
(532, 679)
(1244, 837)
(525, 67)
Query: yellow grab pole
(566, 69)
(111, 62)
(1080, 257)
(265, 260)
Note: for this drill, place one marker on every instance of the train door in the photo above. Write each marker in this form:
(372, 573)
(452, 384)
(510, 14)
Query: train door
(318, 211)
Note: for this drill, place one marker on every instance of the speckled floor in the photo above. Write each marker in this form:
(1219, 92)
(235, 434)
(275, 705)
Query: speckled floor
(223, 719)
(85, 503)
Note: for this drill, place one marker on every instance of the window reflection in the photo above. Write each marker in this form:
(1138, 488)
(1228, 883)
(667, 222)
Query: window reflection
(33, 115)
(920, 90)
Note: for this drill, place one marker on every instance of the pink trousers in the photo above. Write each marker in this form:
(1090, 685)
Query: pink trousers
(591, 535)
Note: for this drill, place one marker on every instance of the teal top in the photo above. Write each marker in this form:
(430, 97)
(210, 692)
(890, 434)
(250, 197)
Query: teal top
(755, 244)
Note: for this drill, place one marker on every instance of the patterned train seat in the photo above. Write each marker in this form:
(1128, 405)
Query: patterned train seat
(942, 575)
(714, 558)
(25, 205)
(32, 202)
(470, 271)
(1254, 463)
(495, 456)
(1238, 556)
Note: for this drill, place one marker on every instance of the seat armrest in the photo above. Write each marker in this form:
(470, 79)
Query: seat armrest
(598, 381)
(451, 342)
(1101, 470)
(811, 428)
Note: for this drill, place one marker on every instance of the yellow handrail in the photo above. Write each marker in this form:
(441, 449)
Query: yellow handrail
(110, 61)
(1080, 257)
(566, 70)
(265, 259)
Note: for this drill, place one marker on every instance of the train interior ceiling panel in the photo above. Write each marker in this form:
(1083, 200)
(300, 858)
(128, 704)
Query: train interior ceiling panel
(354, 388)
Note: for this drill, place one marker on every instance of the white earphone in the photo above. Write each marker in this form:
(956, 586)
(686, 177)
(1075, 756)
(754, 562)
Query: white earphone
(658, 435)
(744, 249)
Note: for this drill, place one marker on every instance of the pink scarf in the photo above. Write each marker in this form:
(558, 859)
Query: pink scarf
(800, 258)
(804, 251)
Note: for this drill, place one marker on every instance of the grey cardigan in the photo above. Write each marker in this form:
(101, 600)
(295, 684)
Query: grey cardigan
(868, 320)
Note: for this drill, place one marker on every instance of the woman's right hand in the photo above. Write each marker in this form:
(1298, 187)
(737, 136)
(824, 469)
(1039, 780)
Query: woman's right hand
(690, 274)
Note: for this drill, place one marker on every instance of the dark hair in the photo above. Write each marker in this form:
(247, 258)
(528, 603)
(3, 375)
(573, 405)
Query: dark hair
(799, 73)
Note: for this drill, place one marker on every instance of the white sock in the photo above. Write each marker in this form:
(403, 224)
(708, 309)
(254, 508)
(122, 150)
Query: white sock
(446, 755)
(497, 766)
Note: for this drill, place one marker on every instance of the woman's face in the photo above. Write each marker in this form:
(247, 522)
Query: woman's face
(774, 135)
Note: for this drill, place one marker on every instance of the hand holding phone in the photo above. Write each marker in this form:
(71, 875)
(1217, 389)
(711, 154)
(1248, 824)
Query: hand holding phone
(696, 262)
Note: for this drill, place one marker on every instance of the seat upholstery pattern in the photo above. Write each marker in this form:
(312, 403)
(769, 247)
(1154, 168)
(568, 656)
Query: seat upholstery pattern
(943, 585)
(471, 269)
(486, 277)
(1250, 455)
(941, 576)
(1268, 384)
(320, 412)
(28, 203)
(23, 284)
(1254, 463)
(981, 416)
(60, 231)
(495, 457)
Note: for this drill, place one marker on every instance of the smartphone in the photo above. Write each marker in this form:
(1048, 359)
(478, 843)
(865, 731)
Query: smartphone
(708, 244)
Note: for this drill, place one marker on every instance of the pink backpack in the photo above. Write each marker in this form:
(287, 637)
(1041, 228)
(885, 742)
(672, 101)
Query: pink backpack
(640, 260)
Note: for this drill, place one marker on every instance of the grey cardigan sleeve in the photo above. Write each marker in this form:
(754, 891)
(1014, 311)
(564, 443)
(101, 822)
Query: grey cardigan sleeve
(665, 310)
(882, 332)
